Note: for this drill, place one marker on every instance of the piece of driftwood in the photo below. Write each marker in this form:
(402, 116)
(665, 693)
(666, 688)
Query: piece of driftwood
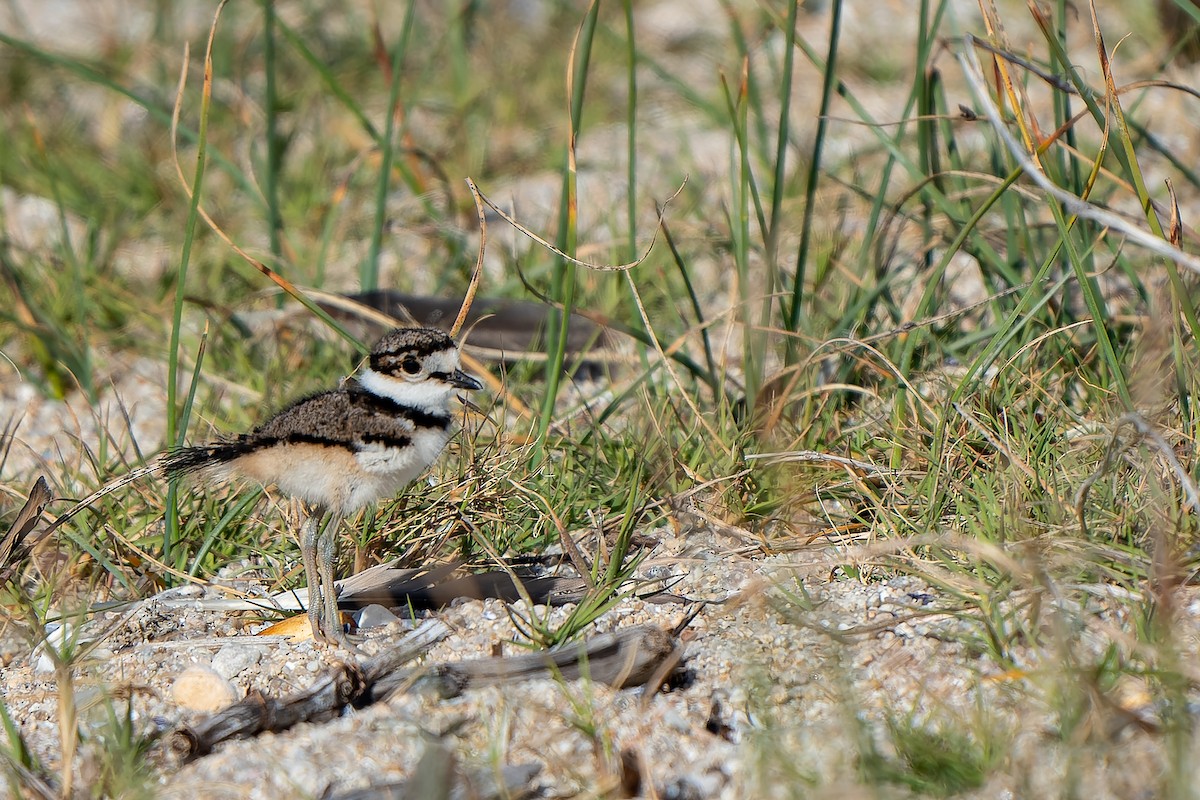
(624, 658)
(335, 689)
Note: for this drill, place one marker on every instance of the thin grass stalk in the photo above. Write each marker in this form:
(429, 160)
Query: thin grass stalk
(175, 430)
(753, 343)
(616, 562)
(1068, 174)
(562, 276)
(369, 274)
(184, 416)
(782, 133)
(68, 714)
(274, 144)
(631, 143)
(186, 412)
(697, 308)
(741, 132)
(1067, 166)
(753, 96)
(957, 185)
(927, 144)
(828, 85)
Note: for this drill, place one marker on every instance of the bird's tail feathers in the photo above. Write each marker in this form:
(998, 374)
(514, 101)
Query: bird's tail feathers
(186, 460)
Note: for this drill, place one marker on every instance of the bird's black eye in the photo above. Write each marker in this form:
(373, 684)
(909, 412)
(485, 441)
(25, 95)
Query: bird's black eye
(410, 365)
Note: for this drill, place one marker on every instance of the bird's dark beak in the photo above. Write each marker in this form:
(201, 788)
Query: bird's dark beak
(462, 380)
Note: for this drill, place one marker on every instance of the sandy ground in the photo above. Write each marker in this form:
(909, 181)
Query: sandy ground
(786, 669)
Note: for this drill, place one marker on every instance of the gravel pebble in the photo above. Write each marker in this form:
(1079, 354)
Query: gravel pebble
(236, 657)
(201, 688)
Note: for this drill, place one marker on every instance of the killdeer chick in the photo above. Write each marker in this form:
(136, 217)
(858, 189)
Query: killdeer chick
(340, 450)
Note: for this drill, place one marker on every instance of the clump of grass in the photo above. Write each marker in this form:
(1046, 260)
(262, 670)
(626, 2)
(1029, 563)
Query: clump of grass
(116, 752)
(938, 760)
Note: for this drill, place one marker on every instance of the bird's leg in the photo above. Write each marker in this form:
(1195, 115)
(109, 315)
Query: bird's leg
(326, 556)
(310, 535)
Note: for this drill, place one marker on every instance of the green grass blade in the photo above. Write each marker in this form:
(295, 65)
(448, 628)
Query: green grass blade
(562, 279)
(274, 141)
(369, 275)
(217, 531)
(828, 84)
(631, 122)
(174, 431)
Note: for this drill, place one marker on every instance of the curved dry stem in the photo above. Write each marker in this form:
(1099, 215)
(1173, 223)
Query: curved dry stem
(597, 267)
(477, 275)
(1071, 204)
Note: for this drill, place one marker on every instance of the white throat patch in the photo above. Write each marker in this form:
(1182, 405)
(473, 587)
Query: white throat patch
(428, 395)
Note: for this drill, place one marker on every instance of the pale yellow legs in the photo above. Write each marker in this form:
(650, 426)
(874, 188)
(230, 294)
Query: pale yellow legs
(318, 549)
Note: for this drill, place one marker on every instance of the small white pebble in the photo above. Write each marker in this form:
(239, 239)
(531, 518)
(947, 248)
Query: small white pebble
(492, 611)
(374, 616)
(233, 659)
